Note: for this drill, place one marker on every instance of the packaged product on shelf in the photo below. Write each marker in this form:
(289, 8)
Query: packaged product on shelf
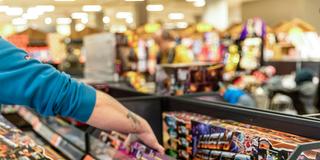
(16, 145)
(140, 151)
(179, 79)
(117, 145)
(213, 138)
(177, 134)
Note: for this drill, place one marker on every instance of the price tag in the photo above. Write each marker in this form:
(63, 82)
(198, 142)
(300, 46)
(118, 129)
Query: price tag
(55, 140)
(37, 126)
(88, 157)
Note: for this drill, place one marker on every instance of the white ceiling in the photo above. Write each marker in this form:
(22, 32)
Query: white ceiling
(110, 7)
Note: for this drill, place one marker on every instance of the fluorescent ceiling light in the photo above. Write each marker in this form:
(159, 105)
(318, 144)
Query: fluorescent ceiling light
(84, 20)
(154, 7)
(79, 15)
(106, 19)
(123, 15)
(64, 20)
(176, 16)
(3, 8)
(30, 16)
(129, 20)
(34, 11)
(46, 8)
(199, 3)
(14, 11)
(19, 21)
(48, 20)
(91, 8)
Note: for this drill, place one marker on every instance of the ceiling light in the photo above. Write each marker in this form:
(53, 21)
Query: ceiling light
(84, 20)
(30, 16)
(91, 8)
(79, 15)
(106, 19)
(129, 20)
(154, 7)
(48, 20)
(191, 0)
(64, 20)
(176, 16)
(199, 3)
(3, 8)
(46, 8)
(80, 27)
(34, 11)
(14, 11)
(19, 21)
(123, 15)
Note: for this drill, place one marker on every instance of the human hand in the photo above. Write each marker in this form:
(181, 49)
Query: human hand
(148, 138)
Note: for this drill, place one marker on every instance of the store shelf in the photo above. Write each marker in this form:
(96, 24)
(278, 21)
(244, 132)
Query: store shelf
(55, 139)
(150, 107)
(20, 145)
(67, 131)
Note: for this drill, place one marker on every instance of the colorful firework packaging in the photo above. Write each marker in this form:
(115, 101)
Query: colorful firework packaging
(177, 136)
(15, 145)
(126, 147)
(142, 152)
(216, 139)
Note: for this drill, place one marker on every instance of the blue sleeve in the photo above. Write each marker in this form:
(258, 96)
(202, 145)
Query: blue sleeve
(28, 82)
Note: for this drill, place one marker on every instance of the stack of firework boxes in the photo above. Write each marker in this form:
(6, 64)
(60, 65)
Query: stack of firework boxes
(198, 137)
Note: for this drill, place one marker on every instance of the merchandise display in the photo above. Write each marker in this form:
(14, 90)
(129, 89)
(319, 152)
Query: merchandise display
(16, 145)
(105, 144)
(179, 79)
(297, 40)
(251, 42)
(214, 79)
(194, 136)
(66, 142)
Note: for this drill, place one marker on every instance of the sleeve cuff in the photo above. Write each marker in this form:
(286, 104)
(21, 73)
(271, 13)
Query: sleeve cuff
(87, 103)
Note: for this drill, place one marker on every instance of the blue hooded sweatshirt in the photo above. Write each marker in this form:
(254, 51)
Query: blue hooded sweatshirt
(28, 82)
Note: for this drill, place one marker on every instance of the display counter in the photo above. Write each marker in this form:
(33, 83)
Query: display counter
(14, 144)
(150, 107)
(75, 143)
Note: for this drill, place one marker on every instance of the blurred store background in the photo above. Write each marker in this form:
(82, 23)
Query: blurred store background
(216, 79)
(257, 53)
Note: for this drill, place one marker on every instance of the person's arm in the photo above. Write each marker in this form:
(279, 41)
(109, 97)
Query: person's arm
(105, 111)
(28, 82)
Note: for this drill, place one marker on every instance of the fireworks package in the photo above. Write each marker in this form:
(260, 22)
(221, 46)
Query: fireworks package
(128, 146)
(216, 139)
(16, 145)
(177, 135)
